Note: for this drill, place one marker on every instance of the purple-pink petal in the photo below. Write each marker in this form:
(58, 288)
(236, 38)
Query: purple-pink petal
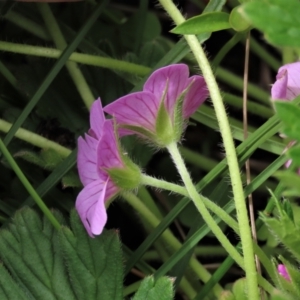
(92, 196)
(195, 96)
(137, 109)
(283, 271)
(279, 88)
(87, 159)
(174, 78)
(90, 205)
(97, 118)
(107, 152)
(287, 85)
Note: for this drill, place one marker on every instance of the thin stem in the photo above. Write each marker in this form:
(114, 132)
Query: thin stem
(169, 238)
(247, 163)
(74, 71)
(87, 59)
(234, 172)
(161, 184)
(198, 201)
(35, 139)
(28, 186)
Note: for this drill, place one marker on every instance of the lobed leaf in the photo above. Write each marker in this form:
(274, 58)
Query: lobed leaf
(94, 265)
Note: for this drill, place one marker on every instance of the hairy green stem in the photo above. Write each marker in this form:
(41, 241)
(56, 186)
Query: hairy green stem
(169, 238)
(234, 172)
(74, 71)
(161, 184)
(28, 186)
(88, 59)
(199, 203)
(35, 139)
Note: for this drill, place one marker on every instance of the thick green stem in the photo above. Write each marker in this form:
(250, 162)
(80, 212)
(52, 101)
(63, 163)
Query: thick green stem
(28, 186)
(169, 238)
(234, 172)
(74, 71)
(35, 139)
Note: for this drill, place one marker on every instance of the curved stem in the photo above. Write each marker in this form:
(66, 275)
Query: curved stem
(169, 238)
(198, 201)
(234, 172)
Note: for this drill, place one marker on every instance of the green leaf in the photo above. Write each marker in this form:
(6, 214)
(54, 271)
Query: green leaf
(151, 52)
(286, 231)
(95, 264)
(31, 157)
(47, 158)
(289, 179)
(237, 21)
(239, 289)
(151, 289)
(289, 113)
(9, 289)
(278, 19)
(207, 22)
(27, 250)
(71, 180)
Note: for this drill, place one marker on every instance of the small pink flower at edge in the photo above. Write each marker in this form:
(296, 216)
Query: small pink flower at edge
(287, 87)
(287, 84)
(98, 154)
(139, 111)
(283, 271)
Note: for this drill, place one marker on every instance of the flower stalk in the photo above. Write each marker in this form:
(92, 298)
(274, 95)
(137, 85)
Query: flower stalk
(196, 198)
(234, 172)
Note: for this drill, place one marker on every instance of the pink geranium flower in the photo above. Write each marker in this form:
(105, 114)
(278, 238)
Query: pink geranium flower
(287, 87)
(158, 113)
(98, 155)
(283, 271)
(287, 84)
